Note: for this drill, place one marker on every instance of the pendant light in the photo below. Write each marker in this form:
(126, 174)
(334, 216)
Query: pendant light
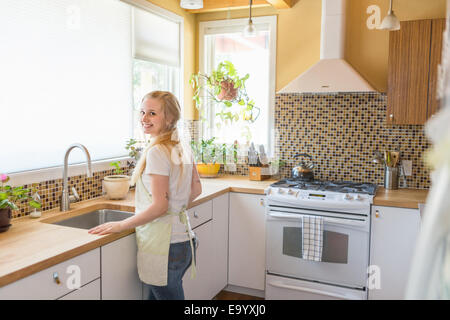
(250, 30)
(390, 22)
(191, 4)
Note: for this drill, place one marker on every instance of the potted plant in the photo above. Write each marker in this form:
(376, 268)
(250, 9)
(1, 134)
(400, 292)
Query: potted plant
(117, 185)
(8, 198)
(207, 155)
(134, 148)
(227, 88)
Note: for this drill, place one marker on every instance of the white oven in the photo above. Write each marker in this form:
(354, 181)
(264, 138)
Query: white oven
(342, 273)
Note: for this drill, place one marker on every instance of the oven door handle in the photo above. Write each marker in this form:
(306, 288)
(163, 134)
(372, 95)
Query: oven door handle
(281, 285)
(357, 223)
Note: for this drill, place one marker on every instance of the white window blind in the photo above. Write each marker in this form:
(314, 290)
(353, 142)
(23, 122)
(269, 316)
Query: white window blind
(65, 77)
(157, 39)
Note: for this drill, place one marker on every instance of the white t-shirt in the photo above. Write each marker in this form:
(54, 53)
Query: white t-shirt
(179, 190)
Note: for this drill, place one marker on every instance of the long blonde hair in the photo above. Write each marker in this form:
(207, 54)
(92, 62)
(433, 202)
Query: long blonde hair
(168, 138)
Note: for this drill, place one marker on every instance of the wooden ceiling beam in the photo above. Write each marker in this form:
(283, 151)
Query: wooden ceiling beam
(281, 4)
(221, 5)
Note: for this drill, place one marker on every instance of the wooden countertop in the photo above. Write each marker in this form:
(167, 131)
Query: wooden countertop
(404, 198)
(31, 245)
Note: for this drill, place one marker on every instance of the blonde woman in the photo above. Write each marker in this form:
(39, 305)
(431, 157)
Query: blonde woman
(166, 182)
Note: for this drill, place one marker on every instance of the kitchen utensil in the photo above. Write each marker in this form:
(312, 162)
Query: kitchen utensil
(378, 158)
(262, 155)
(387, 158)
(391, 178)
(395, 155)
(303, 171)
(252, 155)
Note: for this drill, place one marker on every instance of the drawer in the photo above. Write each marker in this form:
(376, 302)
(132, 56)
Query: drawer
(280, 288)
(42, 284)
(200, 214)
(90, 291)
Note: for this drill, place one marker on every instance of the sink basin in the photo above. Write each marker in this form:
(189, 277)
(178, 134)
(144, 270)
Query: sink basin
(94, 218)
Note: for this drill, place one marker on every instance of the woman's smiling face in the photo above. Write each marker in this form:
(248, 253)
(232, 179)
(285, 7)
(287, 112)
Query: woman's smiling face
(152, 116)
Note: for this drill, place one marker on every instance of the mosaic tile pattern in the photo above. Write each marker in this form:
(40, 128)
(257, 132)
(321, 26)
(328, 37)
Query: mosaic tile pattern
(50, 191)
(341, 132)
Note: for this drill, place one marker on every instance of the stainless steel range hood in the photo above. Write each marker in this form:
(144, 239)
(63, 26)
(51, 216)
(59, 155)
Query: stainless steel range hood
(332, 73)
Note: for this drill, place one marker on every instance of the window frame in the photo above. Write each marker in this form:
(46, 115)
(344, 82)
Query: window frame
(271, 21)
(56, 172)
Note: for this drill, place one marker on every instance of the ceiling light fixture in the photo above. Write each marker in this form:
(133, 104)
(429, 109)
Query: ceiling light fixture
(250, 30)
(390, 22)
(191, 4)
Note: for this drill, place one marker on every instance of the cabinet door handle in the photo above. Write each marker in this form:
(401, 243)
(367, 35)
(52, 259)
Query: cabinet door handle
(56, 278)
(261, 202)
(195, 214)
(377, 214)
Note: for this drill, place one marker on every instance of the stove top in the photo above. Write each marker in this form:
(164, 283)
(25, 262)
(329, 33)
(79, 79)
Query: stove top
(333, 186)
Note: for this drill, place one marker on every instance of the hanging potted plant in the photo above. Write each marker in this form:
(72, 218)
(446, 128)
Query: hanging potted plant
(117, 185)
(207, 155)
(227, 88)
(9, 196)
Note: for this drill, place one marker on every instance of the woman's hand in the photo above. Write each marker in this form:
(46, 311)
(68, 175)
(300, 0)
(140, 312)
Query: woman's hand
(106, 228)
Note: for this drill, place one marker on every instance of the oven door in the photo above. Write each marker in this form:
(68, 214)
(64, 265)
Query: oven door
(345, 253)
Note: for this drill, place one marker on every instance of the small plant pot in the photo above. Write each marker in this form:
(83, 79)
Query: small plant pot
(210, 170)
(228, 92)
(5, 218)
(116, 186)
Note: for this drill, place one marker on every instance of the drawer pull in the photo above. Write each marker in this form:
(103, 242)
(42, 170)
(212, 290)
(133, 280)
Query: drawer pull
(377, 214)
(195, 215)
(56, 278)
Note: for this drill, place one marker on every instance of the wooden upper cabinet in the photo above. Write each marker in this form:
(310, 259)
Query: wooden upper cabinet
(437, 30)
(414, 54)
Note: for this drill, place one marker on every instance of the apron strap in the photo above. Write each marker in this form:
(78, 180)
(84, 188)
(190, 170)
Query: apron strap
(184, 219)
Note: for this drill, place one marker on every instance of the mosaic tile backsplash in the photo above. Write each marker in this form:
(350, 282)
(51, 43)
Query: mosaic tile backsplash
(341, 132)
(50, 191)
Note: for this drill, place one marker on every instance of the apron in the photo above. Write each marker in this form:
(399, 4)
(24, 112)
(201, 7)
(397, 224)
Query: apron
(153, 240)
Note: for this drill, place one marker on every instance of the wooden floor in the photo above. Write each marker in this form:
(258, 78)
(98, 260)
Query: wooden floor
(227, 295)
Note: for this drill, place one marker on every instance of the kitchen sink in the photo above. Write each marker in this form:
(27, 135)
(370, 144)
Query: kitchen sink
(94, 218)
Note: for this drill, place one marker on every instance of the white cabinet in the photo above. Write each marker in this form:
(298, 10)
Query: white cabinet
(200, 287)
(210, 224)
(56, 281)
(120, 279)
(393, 236)
(90, 291)
(246, 264)
(219, 240)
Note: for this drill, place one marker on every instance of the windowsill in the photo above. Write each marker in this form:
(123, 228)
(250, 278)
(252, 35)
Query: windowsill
(36, 176)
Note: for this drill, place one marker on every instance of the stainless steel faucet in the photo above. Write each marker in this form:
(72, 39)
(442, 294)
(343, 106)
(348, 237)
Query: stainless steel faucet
(65, 198)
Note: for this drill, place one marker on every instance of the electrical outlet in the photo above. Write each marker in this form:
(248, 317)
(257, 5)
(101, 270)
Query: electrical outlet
(230, 167)
(407, 167)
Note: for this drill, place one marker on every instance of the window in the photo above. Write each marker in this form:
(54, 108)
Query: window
(69, 71)
(223, 40)
(157, 58)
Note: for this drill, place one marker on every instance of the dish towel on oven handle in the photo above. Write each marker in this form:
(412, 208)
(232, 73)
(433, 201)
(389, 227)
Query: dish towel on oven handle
(312, 238)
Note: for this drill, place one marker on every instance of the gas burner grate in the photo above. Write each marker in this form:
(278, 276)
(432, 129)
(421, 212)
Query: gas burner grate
(333, 186)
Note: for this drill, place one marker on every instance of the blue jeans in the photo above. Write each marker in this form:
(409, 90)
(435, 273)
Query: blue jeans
(180, 258)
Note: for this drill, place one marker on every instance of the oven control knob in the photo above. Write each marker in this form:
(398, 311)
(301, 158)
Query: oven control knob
(280, 190)
(290, 192)
(348, 197)
(359, 197)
